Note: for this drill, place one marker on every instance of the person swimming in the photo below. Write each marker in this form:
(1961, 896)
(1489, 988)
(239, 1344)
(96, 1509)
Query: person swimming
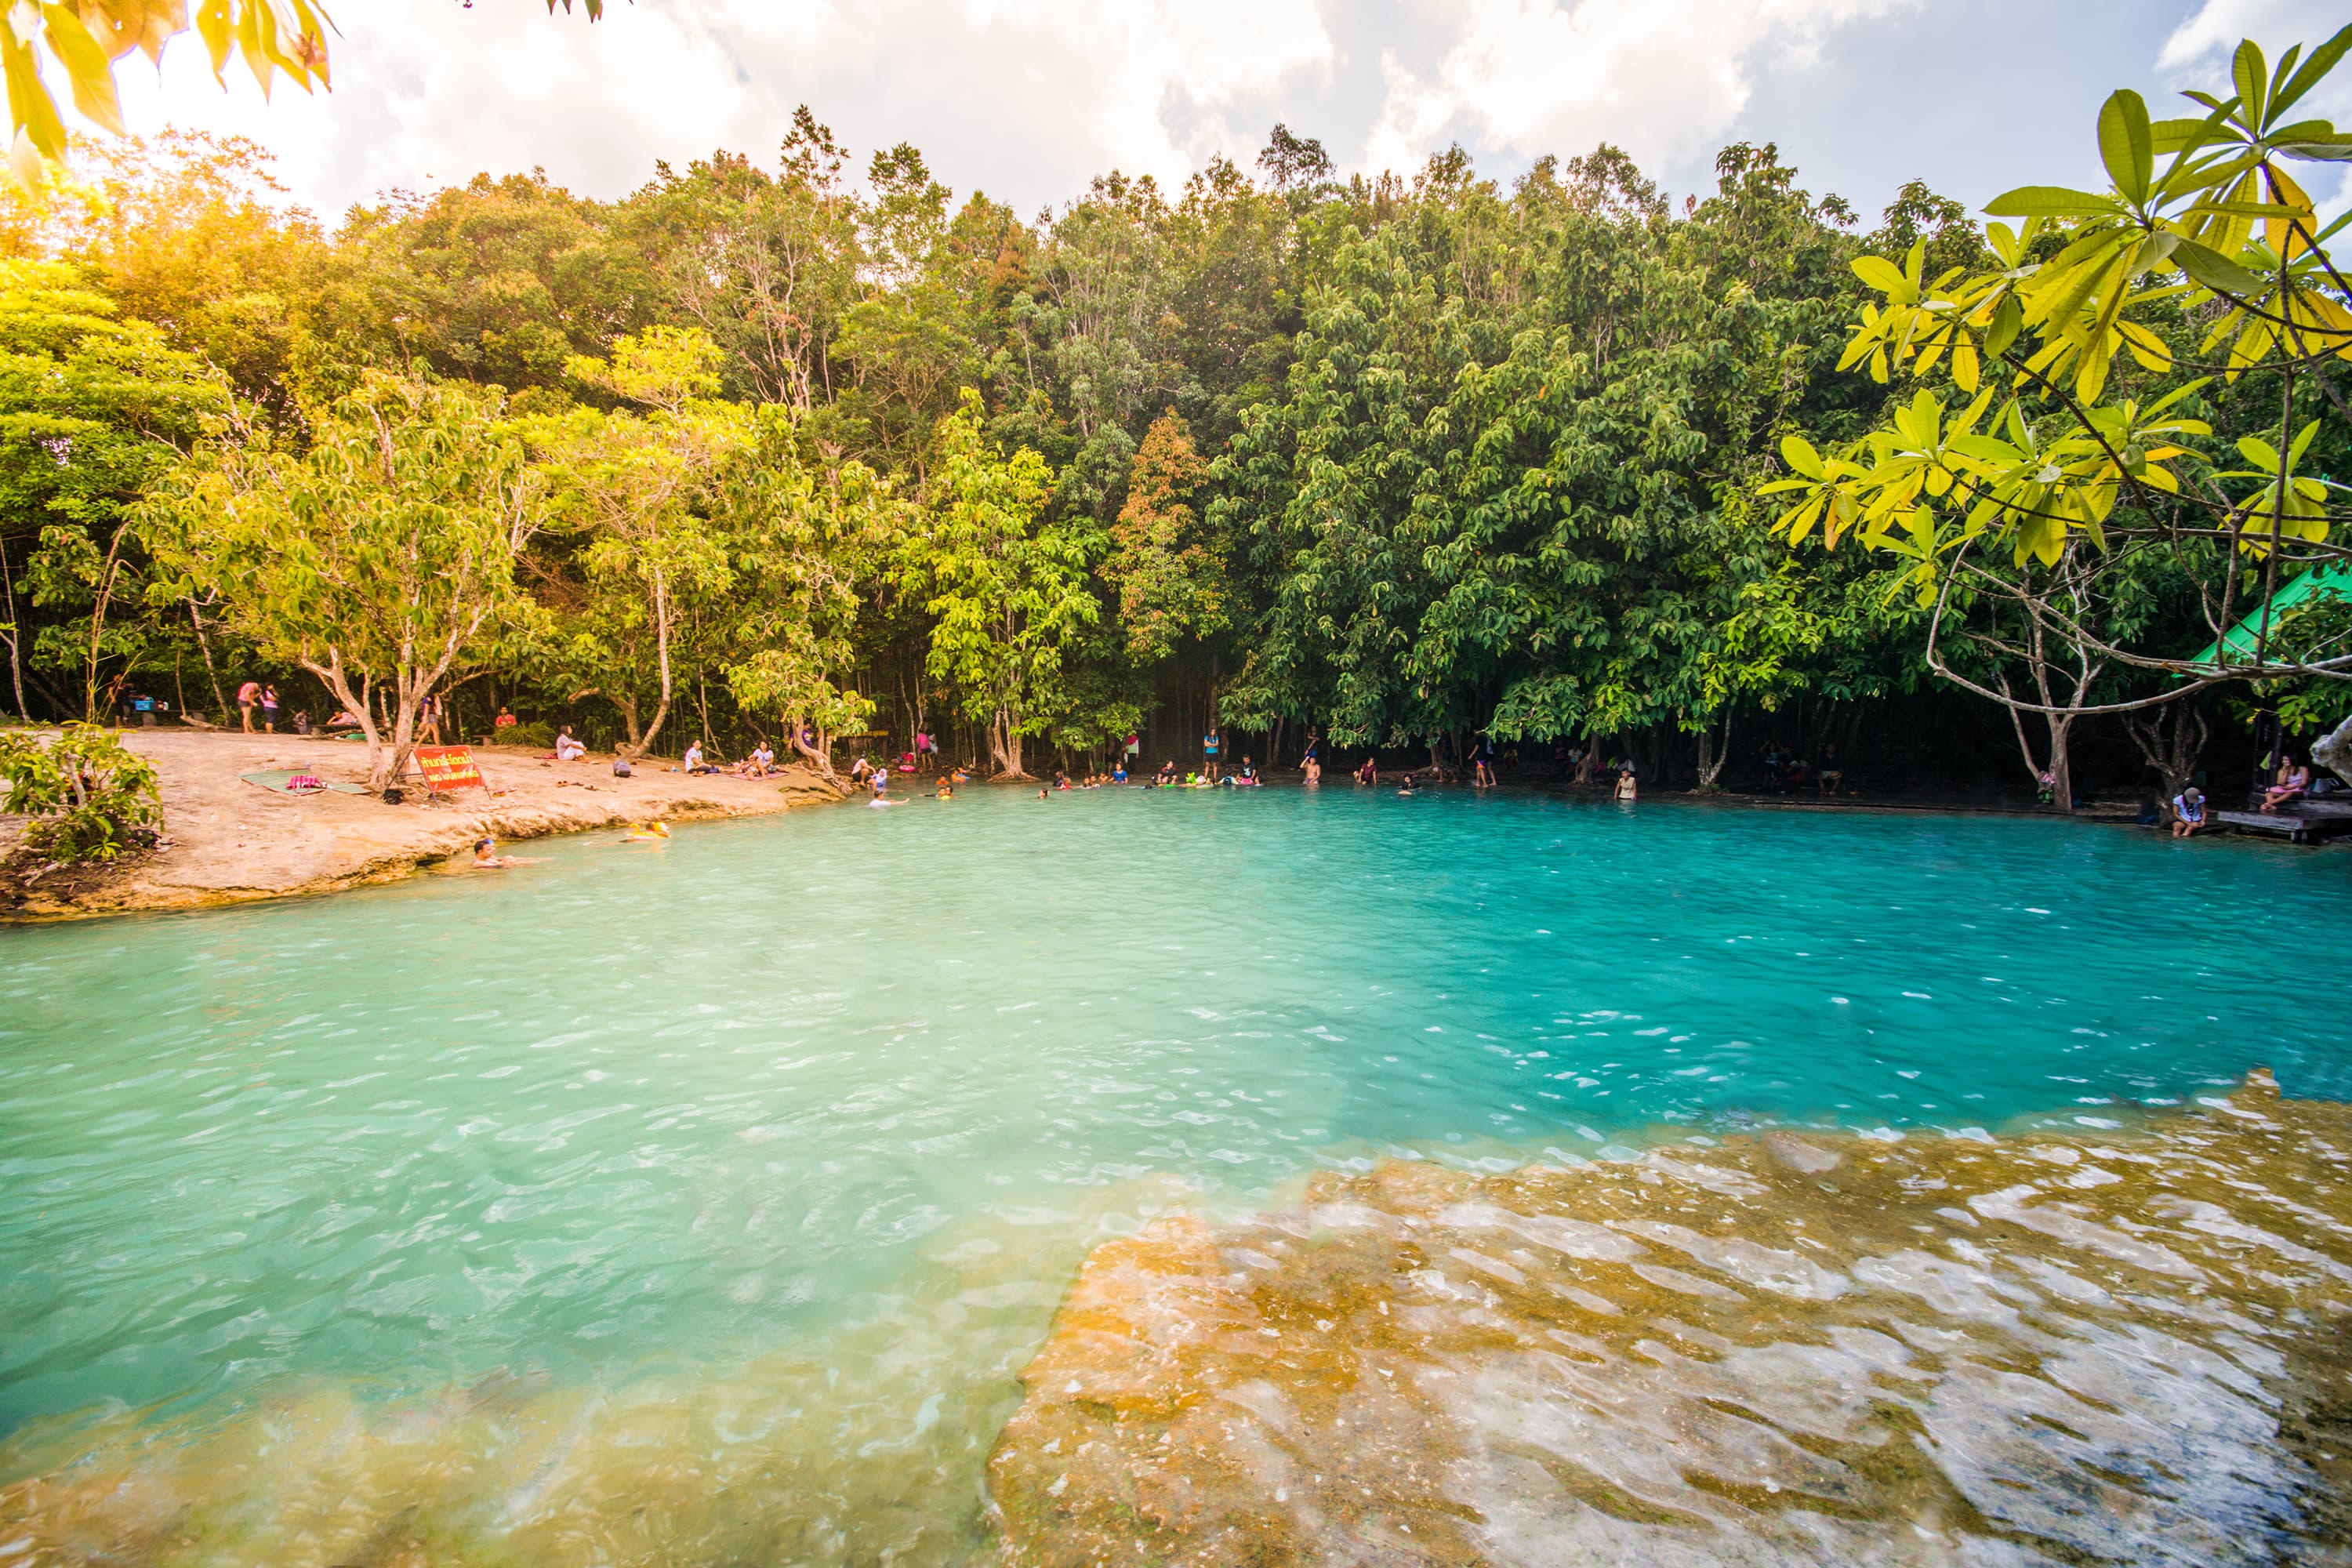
(654, 831)
(488, 858)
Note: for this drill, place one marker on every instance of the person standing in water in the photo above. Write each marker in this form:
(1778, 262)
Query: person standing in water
(1625, 786)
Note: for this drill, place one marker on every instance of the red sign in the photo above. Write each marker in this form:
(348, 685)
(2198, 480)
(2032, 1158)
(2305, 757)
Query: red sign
(449, 767)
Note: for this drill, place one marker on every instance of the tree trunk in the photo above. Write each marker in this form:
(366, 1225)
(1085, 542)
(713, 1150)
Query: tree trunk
(2062, 765)
(358, 701)
(1004, 745)
(15, 663)
(821, 753)
(212, 674)
(638, 744)
(98, 629)
(1712, 754)
(2171, 743)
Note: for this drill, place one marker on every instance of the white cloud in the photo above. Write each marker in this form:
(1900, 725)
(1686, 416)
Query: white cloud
(1026, 97)
(2199, 52)
(2206, 39)
(1663, 78)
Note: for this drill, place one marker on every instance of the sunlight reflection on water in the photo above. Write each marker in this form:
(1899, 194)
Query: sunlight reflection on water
(705, 1198)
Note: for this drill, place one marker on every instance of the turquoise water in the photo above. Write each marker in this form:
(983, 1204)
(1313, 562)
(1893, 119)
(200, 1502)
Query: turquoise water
(640, 1116)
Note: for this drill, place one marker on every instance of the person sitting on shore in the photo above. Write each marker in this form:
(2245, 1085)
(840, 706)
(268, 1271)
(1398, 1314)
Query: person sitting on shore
(1248, 775)
(1166, 775)
(567, 749)
(505, 721)
(760, 763)
(2293, 783)
(1831, 776)
(344, 720)
(2188, 813)
(693, 763)
(857, 774)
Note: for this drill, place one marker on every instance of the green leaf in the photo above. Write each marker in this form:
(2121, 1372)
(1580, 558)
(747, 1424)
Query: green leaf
(2008, 317)
(2049, 201)
(2248, 75)
(2301, 443)
(2319, 150)
(2215, 270)
(2126, 145)
(2323, 60)
(1879, 273)
(2170, 136)
(1798, 454)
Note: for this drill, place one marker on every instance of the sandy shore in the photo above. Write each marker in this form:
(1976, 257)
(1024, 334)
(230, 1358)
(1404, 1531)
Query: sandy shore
(227, 841)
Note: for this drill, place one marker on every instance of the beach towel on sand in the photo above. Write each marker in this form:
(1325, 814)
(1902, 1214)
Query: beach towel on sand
(282, 780)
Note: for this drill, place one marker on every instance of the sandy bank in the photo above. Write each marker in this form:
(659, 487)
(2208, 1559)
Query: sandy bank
(229, 841)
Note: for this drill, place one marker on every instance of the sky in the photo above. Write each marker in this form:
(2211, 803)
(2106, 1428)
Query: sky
(1027, 99)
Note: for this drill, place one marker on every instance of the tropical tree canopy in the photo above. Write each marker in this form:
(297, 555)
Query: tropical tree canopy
(809, 448)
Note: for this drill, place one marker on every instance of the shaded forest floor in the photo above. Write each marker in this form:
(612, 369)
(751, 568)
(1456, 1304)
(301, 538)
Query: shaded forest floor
(227, 841)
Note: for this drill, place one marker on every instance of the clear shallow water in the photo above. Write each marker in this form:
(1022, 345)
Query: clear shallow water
(782, 1137)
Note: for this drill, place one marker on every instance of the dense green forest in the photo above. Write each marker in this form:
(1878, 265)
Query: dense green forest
(812, 448)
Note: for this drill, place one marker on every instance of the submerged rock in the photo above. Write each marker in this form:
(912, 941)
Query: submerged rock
(2126, 1347)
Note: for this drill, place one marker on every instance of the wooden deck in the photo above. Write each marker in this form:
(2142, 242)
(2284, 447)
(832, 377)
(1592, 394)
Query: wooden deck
(2303, 822)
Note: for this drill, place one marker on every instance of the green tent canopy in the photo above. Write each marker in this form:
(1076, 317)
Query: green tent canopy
(2321, 582)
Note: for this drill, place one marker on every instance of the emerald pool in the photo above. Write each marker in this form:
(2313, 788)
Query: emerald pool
(771, 1148)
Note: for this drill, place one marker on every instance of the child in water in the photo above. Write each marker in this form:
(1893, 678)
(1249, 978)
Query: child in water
(654, 831)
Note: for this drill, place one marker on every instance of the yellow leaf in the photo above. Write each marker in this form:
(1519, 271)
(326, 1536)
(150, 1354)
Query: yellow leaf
(2146, 347)
(88, 70)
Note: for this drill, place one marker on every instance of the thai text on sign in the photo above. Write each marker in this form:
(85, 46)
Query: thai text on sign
(449, 767)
